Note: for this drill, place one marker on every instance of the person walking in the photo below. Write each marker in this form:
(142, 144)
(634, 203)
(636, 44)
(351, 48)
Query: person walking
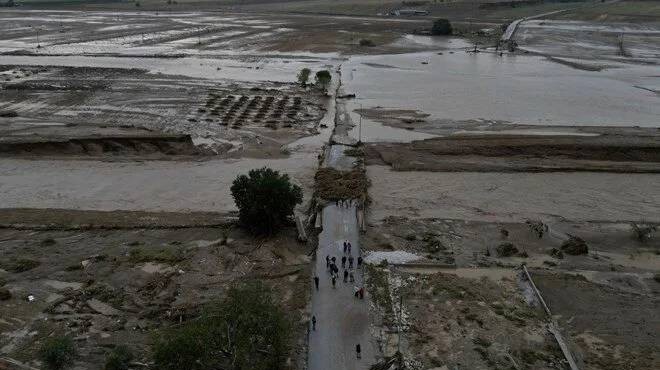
(359, 261)
(349, 247)
(327, 261)
(314, 323)
(343, 262)
(350, 262)
(334, 280)
(316, 282)
(358, 351)
(345, 276)
(345, 246)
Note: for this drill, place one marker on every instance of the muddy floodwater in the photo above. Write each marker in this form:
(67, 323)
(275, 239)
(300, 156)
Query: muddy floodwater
(517, 89)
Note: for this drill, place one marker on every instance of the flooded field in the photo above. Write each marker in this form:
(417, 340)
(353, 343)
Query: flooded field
(120, 128)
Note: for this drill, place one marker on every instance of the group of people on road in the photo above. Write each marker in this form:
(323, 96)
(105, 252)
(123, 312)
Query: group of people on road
(331, 267)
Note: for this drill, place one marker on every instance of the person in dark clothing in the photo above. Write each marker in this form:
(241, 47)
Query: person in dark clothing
(350, 262)
(333, 259)
(361, 293)
(351, 277)
(349, 247)
(359, 261)
(345, 246)
(358, 350)
(327, 261)
(343, 261)
(345, 276)
(316, 282)
(313, 322)
(334, 281)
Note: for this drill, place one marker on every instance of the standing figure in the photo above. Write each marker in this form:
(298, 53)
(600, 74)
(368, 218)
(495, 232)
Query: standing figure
(327, 261)
(345, 246)
(350, 262)
(358, 351)
(314, 323)
(334, 281)
(343, 261)
(359, 261)
(345, 276)
(316, 282)
(352, 278)
(349, 247)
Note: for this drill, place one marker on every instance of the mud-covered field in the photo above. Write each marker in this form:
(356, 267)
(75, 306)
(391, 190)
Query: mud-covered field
(111, 287)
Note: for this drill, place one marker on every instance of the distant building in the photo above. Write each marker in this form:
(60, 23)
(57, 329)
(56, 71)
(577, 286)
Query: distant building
(408, 12)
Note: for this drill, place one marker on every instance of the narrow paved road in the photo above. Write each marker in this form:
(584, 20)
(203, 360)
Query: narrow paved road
(342, 319)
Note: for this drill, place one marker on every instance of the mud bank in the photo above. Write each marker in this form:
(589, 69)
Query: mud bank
(513, 153)
(154, 146)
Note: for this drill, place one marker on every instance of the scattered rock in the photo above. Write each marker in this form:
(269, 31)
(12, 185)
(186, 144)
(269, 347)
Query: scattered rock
(574, 246)
(102, 308)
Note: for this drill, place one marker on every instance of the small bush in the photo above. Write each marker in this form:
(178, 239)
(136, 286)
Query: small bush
(119, 359)
(643, 232)
(169, 255)
(367, 42)
(20, 265)
(574, 246)
(506, 249)
(48, 242)
(556, 253)
(57, 353)
(441, 27)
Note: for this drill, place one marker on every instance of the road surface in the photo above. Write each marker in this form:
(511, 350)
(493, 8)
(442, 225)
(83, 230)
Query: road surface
(342, 319)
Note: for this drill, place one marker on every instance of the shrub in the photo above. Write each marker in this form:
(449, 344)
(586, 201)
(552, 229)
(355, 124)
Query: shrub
(506, 249)
(643, 232)
(574, 246)
(441, 27)
(366, 42)
(247, 330)
(323, 79)
(5, 294)
(119, 359)
(303, 76)
(265, 200)
(20, 265)
(57, 353)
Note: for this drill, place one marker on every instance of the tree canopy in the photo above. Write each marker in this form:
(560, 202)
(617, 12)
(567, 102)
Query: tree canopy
(323, 79)
(248, 330)
(303, 76)
(265, 200)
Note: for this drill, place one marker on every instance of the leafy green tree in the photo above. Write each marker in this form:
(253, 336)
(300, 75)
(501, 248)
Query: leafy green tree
(265, 200)
(248, 330)
(441, 27)
(323, 79)
(119, 359)
(303, 76)
(57, 353)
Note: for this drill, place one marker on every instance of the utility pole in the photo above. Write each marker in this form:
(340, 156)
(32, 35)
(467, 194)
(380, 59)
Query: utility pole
(360, 127)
